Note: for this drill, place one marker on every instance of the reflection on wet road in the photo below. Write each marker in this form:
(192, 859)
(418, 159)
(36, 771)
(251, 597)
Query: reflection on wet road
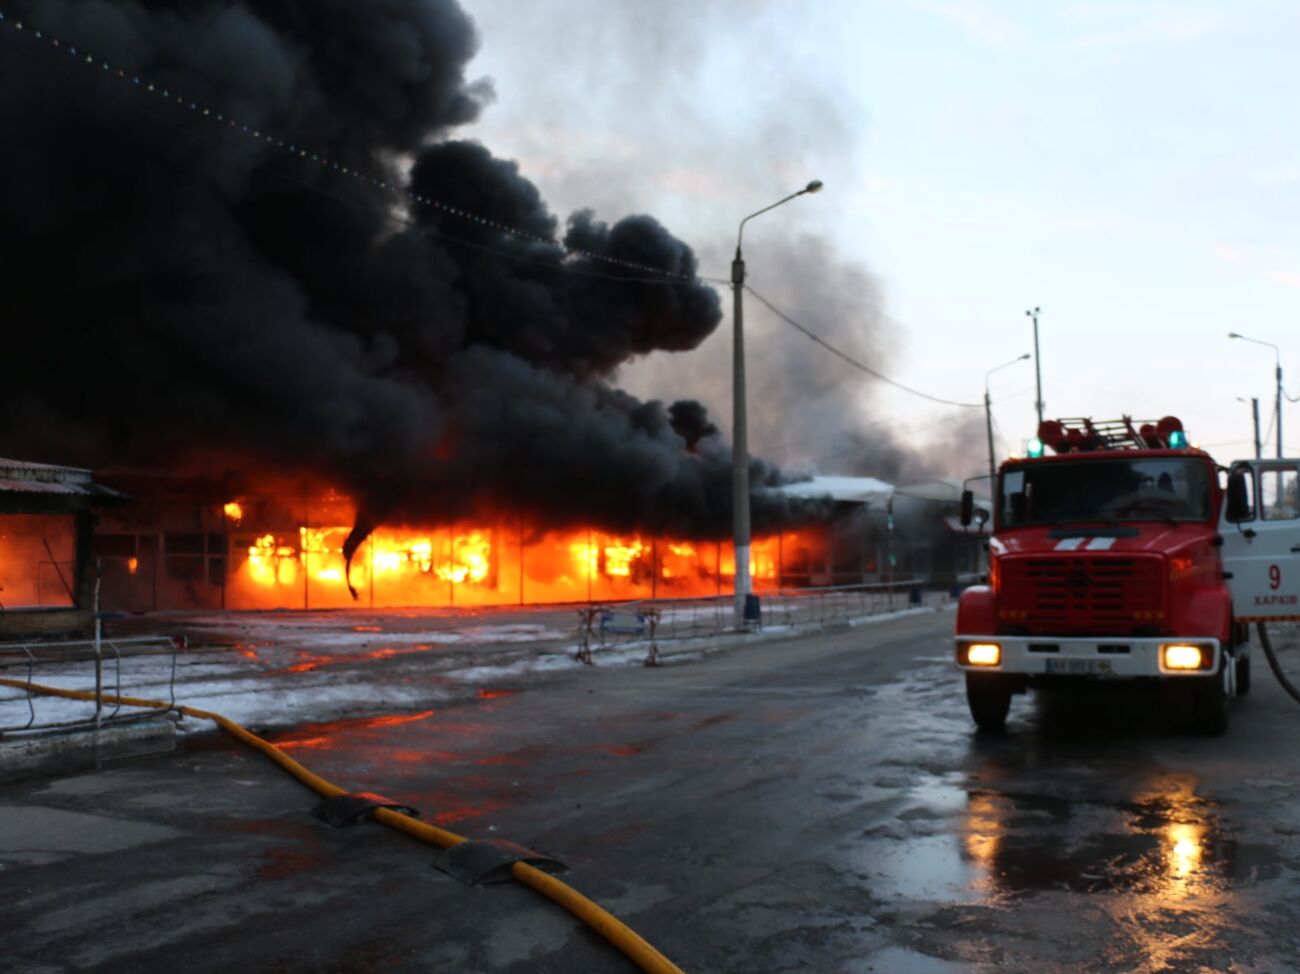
(1082, 838)
(835, 811)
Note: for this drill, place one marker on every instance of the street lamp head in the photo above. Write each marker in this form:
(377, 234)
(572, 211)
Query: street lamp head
(1023, 357)
(1233, 334)
(814, 187)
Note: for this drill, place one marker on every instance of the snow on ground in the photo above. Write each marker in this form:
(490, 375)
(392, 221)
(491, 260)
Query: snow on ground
(278, 669)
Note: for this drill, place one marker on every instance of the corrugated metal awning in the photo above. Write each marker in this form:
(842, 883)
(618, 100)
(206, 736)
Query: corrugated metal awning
(44, 479)
(844, 490)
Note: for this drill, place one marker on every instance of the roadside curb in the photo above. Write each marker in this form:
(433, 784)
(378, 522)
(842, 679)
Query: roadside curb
(50, 754)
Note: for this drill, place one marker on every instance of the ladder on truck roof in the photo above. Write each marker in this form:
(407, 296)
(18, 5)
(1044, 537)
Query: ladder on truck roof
(1082, 434)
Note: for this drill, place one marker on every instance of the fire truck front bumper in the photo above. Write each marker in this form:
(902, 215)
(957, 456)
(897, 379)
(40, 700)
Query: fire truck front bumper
(1097, 657)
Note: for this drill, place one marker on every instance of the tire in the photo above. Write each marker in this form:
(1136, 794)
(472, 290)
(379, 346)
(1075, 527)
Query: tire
(989, 698)
(1210, 707)
(1243, 676)
(1239, 635)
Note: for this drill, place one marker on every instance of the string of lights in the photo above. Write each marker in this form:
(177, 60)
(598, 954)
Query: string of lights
(813, 336)
(199, 109)
(172, 96)
(428, 231)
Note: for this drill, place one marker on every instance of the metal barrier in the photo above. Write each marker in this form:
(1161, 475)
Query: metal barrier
(696, 618)
(597, 624)
(64, 656)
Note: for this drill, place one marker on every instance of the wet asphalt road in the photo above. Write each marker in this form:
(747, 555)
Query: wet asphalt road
(820, 804)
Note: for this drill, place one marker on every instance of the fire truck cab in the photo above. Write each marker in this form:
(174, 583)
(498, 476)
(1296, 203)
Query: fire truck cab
(1124, 555)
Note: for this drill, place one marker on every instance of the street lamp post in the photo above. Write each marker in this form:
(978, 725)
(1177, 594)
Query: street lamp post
(1038, 366)
(1278, 359)
(1254, 413)
(739, 445)
(988, 412)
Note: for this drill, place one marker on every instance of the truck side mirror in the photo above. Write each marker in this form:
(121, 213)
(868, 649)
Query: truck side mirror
(967, 507)
(1239, 506)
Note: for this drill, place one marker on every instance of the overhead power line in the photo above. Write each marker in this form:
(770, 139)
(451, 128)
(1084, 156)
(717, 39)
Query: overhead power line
(813, 336)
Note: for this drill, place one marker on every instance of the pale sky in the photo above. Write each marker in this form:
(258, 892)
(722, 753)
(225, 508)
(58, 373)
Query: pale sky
(1131, 167)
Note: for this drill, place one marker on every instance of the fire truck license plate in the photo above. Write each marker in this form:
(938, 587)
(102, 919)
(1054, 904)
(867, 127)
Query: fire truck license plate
(1090, 667)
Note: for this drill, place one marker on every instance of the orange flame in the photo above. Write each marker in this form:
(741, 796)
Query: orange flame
(270, 563)
(619, 557)
(475, 564)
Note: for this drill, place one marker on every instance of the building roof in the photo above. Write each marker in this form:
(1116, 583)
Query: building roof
(23, 477)
(845, 490)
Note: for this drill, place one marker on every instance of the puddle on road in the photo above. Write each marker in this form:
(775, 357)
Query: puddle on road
(953, 843)
(929, 867)
(897, 960)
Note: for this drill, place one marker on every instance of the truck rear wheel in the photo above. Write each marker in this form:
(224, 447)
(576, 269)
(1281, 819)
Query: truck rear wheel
(989, 697)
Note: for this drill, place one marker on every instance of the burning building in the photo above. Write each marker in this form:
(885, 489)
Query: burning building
(192, 542)
(259, 247)
(47, 581)
(186, 542)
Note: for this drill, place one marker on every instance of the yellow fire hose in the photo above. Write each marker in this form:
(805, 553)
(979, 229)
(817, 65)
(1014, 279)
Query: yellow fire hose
(604, 923)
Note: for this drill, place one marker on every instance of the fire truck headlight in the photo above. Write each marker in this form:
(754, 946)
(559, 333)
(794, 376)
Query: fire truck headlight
(1186, 656)
(982, 654)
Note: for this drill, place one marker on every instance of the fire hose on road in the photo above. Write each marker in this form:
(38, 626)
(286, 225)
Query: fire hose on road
(1273, 664)
(623, 937)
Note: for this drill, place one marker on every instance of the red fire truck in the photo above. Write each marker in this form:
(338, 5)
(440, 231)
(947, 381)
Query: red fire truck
(1123, 555)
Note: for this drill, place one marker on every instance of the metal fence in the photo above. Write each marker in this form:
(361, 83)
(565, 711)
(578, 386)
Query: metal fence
(65, 662)
(671, 619)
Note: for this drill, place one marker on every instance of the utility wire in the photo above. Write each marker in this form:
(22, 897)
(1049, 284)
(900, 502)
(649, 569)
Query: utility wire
(856, 430)
(851, 360)
(892, 431)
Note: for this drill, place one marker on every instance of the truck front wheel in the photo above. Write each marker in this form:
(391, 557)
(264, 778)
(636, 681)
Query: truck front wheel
(1243, 676)
(1210, 705)
(989, 697)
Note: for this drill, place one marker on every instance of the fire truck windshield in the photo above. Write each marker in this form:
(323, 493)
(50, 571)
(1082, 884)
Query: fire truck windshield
(1107, 490)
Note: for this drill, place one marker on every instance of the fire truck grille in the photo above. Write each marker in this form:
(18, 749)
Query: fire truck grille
(1093, 595)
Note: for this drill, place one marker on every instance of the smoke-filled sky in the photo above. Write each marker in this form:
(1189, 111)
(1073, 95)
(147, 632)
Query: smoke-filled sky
(175, 288)
(1128, 167)
(179, 289)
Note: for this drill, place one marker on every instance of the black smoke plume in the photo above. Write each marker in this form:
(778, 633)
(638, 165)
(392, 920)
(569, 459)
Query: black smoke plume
(173, 289)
